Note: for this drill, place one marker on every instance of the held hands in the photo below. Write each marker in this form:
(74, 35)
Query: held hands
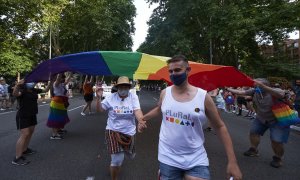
(141, 125)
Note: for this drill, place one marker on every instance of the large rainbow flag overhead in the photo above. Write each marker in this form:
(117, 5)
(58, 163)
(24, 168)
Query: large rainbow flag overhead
(137, 66)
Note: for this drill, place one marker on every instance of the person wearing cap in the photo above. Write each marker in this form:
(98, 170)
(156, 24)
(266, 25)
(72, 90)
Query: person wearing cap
(26, 119)
(123, 108)
(263, 99)
(185, 109)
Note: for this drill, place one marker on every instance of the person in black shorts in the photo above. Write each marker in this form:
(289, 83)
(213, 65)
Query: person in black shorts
(88, 95)
(26, 120)
(240, 102)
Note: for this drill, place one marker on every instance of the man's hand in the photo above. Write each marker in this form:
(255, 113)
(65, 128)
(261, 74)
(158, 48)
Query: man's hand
(234, 171)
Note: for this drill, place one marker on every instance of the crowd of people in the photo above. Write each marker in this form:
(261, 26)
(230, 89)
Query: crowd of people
(184, 109)
(242, 104)
(7, 100)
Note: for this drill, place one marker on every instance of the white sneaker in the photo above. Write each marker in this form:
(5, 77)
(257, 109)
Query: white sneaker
(82, 113)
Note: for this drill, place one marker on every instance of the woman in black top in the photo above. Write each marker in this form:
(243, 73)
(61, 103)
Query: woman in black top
(26, 120)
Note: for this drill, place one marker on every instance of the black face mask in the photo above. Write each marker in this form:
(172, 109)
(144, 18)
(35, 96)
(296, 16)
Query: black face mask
(178, 79)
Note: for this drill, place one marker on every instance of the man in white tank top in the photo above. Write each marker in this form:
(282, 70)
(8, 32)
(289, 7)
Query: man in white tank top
(185, 109)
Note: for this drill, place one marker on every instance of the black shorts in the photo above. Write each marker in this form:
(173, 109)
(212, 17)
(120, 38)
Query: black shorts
(241, 100)
(88, 97)
(25, 121)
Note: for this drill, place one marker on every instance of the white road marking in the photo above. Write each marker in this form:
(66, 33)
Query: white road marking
(16, 110)
(75, 108)
(155, 99)
(41, 106)
(7, 112)
(90, 178)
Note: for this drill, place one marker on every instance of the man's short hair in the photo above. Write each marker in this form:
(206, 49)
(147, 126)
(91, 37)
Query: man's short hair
(177, 58)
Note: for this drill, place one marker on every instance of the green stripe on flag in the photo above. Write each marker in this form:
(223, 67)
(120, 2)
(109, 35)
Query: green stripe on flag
(122, 63)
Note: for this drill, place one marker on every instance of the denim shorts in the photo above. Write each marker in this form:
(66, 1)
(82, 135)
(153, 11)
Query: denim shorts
(173, 173)
(277, 133)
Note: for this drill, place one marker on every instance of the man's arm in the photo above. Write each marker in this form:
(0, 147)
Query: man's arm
(222, 132)
(151, 114)
(274, 92)
(237, 92)
(156, 110)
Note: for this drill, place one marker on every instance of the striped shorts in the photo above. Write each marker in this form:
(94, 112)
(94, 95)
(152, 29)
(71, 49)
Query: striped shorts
(119, 142)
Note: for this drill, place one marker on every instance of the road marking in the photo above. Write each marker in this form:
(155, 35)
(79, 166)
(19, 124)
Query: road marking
(16, 110)
(76, 108)
(7, 112)
(40, 106)
(90, 178)
(155, 99)
(43, 105)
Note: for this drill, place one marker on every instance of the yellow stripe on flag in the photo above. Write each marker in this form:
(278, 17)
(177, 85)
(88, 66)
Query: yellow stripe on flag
(149, 64)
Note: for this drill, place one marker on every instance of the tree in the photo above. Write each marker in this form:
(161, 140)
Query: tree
(76, 26)
(187, 27)
(14, 58)
(16, 18)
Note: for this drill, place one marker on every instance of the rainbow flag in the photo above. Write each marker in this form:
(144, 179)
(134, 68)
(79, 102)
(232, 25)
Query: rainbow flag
(285, 115)
(139, 66)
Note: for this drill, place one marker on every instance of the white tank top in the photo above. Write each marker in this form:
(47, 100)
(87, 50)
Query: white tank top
(181, 136)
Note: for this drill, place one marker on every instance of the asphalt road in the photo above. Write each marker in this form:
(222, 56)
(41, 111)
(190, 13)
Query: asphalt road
(75, 157)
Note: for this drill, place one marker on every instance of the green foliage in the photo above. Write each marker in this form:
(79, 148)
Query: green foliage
(187, 27)
(98, 25)
(282, 81)
(75, 25)
(14, 58)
